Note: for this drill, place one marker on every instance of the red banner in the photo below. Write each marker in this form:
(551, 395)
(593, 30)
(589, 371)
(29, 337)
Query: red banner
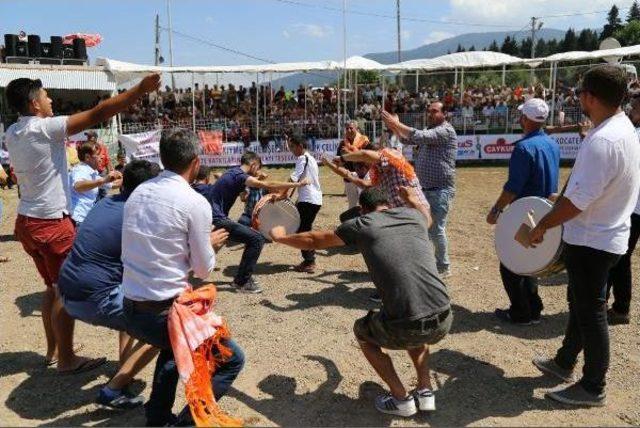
(211, 142)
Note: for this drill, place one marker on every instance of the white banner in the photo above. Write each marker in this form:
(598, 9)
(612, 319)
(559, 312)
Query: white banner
(142, 144)
(470, 147)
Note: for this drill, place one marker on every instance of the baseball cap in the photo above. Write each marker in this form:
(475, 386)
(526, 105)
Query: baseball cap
(535, 109)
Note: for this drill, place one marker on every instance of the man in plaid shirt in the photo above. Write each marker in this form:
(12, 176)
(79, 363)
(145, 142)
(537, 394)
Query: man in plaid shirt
(435, 163)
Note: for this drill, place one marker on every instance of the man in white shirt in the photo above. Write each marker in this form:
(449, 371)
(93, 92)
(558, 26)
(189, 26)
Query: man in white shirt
(36, 144)
(309, 196)
(167, 234)
(620, 275)
(596, 208)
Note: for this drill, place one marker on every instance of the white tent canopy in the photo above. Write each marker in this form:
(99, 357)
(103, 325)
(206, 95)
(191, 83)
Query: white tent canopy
(124, 71)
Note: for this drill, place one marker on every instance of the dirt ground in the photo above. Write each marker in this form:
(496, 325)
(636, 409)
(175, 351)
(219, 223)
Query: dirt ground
(303, 365)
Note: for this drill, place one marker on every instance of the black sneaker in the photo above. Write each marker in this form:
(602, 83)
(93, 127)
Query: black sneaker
(504, 315)
(250, 287)
(576, 395)
(120, 400)
(549, 366)
(617, 318)
(375, 298)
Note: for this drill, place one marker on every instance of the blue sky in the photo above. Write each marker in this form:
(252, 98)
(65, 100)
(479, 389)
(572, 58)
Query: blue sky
(282, 30)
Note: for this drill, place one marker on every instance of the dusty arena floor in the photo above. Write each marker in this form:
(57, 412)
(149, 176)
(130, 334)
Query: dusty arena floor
(303, 365)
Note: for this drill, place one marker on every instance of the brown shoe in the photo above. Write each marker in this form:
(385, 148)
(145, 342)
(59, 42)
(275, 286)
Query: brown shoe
(305, 267)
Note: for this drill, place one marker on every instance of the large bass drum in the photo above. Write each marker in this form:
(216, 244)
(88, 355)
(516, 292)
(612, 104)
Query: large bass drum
(267, 215)
(543, 260)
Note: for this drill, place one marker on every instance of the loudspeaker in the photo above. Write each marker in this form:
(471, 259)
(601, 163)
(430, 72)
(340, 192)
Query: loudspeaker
(79, 49)
(46, 50)
(22, 49)
(17, 60)
(35, 48)
(67, 51)
(10, 44)
(73, 61)
(56, 47)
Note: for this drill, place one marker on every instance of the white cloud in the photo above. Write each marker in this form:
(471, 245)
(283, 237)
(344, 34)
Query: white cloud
(286, 34)
(406, 34)
(209, 20)
(519, 12)
(312, 30)
(436, 36)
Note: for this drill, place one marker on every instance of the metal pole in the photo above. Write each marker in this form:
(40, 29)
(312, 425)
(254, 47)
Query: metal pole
(461, 85)
(344, 50)
(157, 47)
(173, 79)
(455, 76)
(257, 107)
(305, 102)
(554, 67)
(398, 24)
(193, 102)
(355, 93)
(504, 74)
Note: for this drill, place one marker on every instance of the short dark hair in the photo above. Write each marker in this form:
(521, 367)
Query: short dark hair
(606, 82)
(137, 172)
(298, 140)
(178, 148)
(372, 146)
(372, 198)
(20, 92)
(86, 148)
(250, 157)
(203, 173)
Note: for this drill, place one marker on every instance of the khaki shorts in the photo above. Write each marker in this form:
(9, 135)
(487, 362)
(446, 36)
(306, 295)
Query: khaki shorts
(402, 335)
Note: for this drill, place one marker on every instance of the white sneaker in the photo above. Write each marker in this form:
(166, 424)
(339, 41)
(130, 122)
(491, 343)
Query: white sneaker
(426, 400)
(387, 403)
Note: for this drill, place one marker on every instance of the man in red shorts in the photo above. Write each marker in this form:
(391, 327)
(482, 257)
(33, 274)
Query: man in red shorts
(36, 144)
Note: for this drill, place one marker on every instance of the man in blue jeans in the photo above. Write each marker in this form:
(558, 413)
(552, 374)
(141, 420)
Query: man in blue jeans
(166, 236)
(222, 195)
(435, 164)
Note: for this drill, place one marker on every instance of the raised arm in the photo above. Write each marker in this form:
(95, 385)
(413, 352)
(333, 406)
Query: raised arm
(408, 195)
(274, 185)
(87, 119)
(366, 156)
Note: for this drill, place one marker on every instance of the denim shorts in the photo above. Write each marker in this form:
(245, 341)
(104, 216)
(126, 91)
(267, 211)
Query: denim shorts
(374, 329)
(107, 312)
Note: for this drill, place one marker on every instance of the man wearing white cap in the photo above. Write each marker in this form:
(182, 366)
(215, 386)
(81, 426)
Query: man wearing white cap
(533, 171)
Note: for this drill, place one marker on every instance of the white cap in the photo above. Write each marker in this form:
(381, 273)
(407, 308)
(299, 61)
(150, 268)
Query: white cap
(535, 109)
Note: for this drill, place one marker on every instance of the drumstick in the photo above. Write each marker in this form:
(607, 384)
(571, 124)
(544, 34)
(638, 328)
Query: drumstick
(532, 222)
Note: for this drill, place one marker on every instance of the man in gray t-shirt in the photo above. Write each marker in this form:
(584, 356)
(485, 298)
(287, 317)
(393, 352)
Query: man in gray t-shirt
(415, 305)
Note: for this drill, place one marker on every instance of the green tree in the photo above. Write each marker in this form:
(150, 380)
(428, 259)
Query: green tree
(494, 47)
(570, 41)
(541, 48)
(460, 48)
(614, 23)
(509, 46)
(368, 76)
(634, 12)
(587, 40)
(472, 48)
(629, 35)
(552, 47)
(525, 48)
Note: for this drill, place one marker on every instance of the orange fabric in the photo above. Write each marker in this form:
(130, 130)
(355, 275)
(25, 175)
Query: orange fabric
(211, 142)
(194, 330)
(359, 142)
(396, 160)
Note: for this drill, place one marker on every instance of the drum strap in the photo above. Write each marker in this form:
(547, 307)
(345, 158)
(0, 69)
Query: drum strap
(304, 172)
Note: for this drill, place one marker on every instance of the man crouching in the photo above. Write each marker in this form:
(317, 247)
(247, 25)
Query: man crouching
(415, 310)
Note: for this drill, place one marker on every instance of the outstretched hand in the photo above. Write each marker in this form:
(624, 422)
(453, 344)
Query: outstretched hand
(277, 233)
(218, 237)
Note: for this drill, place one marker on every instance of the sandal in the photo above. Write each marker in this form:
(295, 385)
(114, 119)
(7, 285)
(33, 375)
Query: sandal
(85, 366)
(54, 361)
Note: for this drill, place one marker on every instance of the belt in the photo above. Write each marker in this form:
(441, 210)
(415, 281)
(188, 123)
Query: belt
(150, 306)
(423, 323)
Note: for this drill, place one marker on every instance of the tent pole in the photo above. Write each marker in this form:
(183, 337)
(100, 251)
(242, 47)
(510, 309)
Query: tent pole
(339, 109)
(305, 103)
(554, 73)
(257, 107)
(417, 82)
(504, 74)
(355, 93)
(193, 102)
(455, 76)
(461, 85)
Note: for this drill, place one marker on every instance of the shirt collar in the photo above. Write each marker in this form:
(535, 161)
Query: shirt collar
(534, 133)
(173, 176)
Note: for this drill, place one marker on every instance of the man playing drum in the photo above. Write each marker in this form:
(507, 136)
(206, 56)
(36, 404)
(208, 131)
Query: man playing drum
(415, 304)
(533, 171)
(222, 195)
(595, 210)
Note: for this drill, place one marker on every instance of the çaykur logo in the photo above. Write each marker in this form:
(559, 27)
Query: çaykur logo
(500, 146)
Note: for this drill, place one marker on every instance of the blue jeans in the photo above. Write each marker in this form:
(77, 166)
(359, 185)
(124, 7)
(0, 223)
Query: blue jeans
(151, 328)
(440, 201)
(253, 242)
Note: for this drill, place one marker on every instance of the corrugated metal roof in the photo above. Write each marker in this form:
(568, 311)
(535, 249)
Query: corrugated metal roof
(61, 77)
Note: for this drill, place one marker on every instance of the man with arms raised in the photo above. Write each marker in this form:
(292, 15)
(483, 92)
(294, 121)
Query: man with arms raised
(36, 144)
(415, 305)
(595, 209)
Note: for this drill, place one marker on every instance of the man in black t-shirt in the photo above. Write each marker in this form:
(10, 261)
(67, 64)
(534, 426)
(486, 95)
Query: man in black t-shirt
(415, 305)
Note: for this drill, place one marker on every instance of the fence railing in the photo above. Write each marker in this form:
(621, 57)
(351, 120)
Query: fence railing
(465, 122)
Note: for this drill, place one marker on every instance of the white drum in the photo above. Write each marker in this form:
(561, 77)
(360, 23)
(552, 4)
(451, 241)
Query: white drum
(543, 260)
(267, 215)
